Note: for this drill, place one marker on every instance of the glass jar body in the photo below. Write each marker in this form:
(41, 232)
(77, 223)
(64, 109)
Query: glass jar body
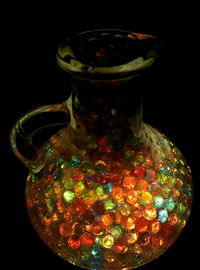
(107, 198)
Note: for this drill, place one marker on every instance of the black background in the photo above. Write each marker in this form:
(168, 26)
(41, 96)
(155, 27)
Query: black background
(31, 35)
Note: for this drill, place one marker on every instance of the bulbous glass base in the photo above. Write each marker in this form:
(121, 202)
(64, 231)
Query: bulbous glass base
(115, 203)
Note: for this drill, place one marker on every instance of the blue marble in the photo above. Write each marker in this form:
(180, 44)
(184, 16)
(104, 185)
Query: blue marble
(60, 161)
(75, 162)
(162, 215)
(158, 202)
(165, 170)
(48, 149)
(97, 217)
(169, 204)
(96, 251)
(107, 188)
(57, 175)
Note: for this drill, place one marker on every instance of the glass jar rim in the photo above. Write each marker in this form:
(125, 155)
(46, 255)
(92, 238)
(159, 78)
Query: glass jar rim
(70, 61)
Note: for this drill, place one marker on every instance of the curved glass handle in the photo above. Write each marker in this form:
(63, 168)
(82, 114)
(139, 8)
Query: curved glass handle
(35, 157)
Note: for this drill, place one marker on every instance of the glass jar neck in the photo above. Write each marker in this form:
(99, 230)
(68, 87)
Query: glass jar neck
(102, 106)
(105, 67)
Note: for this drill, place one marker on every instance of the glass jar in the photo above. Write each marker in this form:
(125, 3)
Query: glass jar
(107, 191)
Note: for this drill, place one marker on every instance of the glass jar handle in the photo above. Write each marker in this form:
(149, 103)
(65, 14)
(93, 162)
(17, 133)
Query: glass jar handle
(36, 163)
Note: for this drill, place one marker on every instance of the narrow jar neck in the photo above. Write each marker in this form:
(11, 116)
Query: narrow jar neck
(106, 66)
(106, 105)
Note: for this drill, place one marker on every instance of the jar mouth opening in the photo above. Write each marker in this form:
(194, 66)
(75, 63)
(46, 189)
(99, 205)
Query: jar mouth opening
(107, 53)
